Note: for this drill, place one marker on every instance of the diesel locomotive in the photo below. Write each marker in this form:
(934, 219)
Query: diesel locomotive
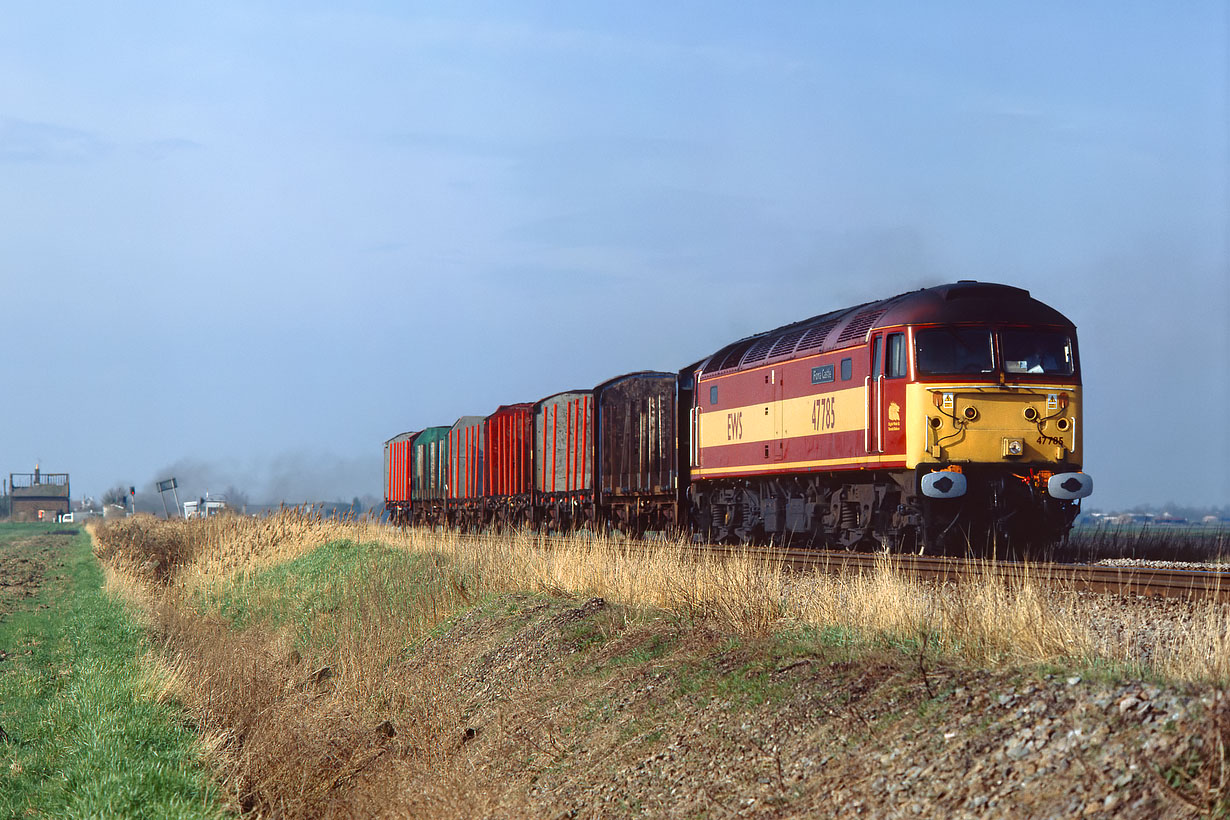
(944, 419)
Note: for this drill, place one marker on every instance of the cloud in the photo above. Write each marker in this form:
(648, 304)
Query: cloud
(22, 141)
(163, 148)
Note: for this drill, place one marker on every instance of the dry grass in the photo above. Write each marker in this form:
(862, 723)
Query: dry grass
(986, 621)
(317, 730)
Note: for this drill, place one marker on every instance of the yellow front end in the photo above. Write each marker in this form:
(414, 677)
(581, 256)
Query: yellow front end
(993, 424)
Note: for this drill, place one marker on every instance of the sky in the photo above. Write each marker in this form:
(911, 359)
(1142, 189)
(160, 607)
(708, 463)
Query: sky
(244, 243)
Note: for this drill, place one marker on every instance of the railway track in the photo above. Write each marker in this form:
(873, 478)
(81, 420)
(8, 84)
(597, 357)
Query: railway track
(1148, 581)
(1128, 581)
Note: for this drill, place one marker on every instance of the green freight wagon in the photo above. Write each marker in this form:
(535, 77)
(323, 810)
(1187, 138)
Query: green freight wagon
(429, 482)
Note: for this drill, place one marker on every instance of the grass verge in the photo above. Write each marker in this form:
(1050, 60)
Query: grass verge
(88, 731)
(347, 669)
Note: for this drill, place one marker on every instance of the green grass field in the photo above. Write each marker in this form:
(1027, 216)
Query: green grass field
(85, 733)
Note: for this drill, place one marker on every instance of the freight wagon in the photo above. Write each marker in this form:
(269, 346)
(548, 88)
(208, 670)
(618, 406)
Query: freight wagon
(397, 477)
(466, 463)
(564, 460)
(637, 453)
(508, 483)
(428, 478)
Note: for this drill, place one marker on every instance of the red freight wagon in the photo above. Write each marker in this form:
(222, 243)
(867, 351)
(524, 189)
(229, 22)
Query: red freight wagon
(465, 471)
(397, 451)
(564, 458)
(509, 479)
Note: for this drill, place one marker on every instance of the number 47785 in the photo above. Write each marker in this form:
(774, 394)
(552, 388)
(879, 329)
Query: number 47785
(824, 413)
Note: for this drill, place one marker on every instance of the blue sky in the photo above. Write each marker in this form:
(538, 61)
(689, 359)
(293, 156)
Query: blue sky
(248, 242)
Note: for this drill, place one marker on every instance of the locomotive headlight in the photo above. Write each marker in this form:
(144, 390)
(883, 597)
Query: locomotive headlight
(1031, 414)
(1013, 447)
(1063, 425)
(970, 412)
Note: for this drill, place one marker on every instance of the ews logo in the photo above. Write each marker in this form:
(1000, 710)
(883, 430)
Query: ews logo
(734, 426)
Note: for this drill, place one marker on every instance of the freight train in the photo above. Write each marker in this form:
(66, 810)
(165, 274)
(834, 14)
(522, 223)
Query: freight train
(944, 419)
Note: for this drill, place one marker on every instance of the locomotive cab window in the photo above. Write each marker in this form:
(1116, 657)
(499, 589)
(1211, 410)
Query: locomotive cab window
(847, 369)
(1037, 352)
(949, 350)
(713, 394)
(895, 362)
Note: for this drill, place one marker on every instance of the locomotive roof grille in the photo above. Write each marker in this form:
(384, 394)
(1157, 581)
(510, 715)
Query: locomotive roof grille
(735, 354)
(786, 343)
(816, 335)
(758, 351)
(859, 325)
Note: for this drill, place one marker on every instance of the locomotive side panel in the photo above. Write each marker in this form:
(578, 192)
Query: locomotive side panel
(816, 413)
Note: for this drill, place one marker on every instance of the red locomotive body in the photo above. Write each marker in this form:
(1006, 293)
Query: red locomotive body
(829, 430)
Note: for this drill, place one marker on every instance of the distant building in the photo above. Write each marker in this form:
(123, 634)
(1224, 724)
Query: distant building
(38, 496)
(204, 507)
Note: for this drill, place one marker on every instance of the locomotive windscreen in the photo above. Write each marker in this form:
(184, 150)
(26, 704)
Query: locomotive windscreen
(954, 350)
(1037, 351)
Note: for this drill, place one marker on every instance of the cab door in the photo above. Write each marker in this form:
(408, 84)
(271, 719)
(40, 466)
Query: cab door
(886, 393)
(874, 385)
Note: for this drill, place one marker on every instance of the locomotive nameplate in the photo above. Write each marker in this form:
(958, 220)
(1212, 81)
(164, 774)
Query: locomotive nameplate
(822, 374)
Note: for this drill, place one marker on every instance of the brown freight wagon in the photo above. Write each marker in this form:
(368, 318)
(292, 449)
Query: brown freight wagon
(564, 459)
(637, 455)
(508, 478)
(397, 475)
(466, 459)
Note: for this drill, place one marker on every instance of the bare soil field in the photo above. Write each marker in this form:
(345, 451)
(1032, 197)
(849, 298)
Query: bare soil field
(24, 563)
